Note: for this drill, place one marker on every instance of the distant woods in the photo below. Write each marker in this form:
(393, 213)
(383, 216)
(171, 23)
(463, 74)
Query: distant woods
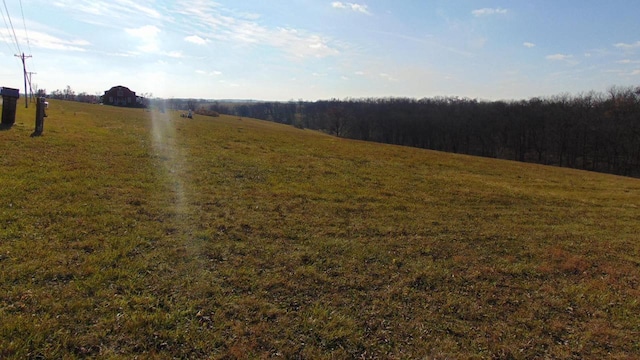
(592, 131)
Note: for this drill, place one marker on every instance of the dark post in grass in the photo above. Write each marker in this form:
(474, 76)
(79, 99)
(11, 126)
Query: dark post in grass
(40, 115)
(9, 100)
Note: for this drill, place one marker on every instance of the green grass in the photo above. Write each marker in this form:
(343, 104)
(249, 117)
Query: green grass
(129, 233)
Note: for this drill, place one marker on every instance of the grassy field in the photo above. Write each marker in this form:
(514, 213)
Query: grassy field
(129, 233)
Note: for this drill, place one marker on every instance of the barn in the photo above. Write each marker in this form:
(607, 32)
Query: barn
(122, 96)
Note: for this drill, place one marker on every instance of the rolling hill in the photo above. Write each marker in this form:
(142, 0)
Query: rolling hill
(126, 232)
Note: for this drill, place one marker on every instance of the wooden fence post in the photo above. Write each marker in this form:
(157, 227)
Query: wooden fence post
(40, 115)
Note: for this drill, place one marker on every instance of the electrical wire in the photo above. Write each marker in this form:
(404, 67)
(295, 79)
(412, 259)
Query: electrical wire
(24, 22)
(4, 36)
(12, 28)
(26, 34)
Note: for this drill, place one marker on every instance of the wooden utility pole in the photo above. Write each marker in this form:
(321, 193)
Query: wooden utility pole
(30, 86)
(24, 67)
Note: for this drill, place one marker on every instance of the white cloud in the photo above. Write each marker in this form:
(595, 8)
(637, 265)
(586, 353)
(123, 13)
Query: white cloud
(635, 72)
(628, 61)
(296, 43)
(559, 57)
(111, 13)
(223, 26)
(195, 39)
(628, 46)
(148, 35)
(316, 46)
(144, 32)
(387, 77)
(351, 6)
(489, 11)
(529, 45)
(121, 54)
(175, 54)
(301, 45)
(209, 73)
(45, 41)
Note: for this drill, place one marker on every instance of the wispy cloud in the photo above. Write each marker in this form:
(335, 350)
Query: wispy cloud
(307, 45)
(351, 6)
(387, 77)
(564, 58)
(195, 39)
(218, 24)
(528, 45)
(559, 57)
(111, 13)
(489, 11)
(174, 54)
(628, 61)
(209, 73)
(43, 40)
(628, 46)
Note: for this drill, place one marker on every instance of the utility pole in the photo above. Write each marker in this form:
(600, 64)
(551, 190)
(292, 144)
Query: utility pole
(24, 67)
(31, 87)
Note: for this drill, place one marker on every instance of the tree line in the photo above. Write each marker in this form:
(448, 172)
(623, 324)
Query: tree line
(591, 131)
(69, 94)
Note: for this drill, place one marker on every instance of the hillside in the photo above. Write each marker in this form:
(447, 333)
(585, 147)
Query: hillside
(128, 232)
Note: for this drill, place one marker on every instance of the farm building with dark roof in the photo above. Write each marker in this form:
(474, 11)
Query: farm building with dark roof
(122, 96)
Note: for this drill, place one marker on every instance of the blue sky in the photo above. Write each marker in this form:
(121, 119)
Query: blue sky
(316, 49)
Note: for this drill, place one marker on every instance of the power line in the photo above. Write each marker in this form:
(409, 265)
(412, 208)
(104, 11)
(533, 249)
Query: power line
(11, 41)
(21, 55)
(26, 34)
(12, 28)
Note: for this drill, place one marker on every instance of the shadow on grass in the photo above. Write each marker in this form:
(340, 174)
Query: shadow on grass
(5, 127)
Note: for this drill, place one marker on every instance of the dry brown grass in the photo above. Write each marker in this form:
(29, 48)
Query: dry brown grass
(127, 233)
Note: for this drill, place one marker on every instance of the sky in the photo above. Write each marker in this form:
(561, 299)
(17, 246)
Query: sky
(323, 49)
